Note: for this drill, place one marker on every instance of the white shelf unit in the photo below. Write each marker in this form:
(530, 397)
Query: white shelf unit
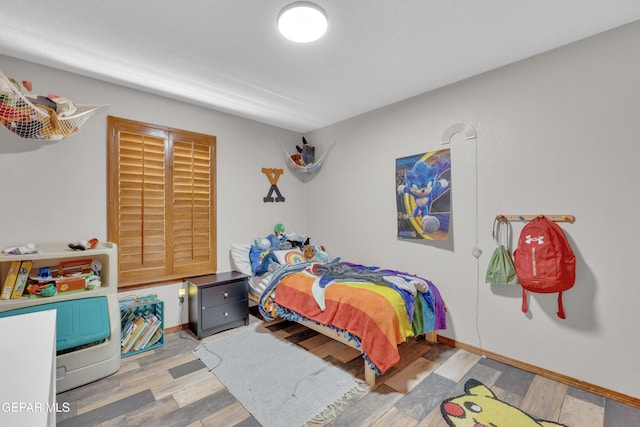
(84, 365)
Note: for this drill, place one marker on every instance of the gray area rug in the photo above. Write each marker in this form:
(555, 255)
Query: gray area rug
(279, 383)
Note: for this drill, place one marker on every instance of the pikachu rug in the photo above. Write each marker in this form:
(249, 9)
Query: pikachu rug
(479, 407)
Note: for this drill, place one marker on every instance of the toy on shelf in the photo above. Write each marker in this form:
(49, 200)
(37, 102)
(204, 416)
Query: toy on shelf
(29, 248)
(48, 118)
(42, 289)
(83, 245)
(70, 276)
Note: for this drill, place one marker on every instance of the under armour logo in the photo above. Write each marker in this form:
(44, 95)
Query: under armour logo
(529, 239)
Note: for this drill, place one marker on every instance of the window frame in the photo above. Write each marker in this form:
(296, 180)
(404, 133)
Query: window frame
(204, 257)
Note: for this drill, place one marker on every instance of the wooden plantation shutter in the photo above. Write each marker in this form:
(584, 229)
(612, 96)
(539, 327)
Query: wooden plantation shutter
(193, 203)
(141, 224)
(161, 201)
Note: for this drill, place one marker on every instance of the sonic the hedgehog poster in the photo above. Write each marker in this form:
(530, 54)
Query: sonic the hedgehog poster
(423, 195)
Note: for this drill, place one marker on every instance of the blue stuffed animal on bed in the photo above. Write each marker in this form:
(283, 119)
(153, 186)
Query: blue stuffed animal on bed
(421, 182)
(261, 256)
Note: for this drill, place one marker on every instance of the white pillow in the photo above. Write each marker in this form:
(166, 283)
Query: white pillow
(290, 256)
(240, 258)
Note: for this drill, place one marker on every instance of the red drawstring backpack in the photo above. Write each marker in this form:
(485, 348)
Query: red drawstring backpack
(544, 260)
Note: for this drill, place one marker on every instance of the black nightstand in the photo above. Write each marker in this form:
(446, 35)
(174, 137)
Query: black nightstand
(217, 302)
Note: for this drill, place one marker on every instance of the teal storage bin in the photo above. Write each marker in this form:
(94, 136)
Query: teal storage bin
(78, 322)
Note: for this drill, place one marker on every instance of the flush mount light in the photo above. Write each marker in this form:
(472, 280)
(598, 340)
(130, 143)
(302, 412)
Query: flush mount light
(302, 21)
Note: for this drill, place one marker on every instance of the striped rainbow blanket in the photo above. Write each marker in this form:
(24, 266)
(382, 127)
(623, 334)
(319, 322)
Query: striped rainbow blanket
(376, 309)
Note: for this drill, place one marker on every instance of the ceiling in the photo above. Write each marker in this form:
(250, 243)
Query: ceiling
(227, 54)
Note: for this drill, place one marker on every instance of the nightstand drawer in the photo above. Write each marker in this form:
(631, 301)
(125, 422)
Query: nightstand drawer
(221, 315)
(223, 294)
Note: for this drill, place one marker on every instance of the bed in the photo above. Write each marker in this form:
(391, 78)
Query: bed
(368, 308)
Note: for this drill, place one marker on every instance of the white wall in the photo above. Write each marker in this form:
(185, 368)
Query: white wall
(556, 134)
(56, 192)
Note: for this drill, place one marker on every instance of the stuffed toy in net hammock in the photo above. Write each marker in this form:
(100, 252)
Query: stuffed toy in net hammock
(49, 118)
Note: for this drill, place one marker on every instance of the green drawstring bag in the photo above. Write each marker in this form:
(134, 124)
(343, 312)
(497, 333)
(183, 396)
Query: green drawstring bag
(501, 270)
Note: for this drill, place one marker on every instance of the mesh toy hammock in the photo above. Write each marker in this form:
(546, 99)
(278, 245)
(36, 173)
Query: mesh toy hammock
(27, 120)
(304, 173)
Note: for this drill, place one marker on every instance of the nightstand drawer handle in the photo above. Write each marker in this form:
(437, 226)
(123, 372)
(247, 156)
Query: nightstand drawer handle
(226, 294)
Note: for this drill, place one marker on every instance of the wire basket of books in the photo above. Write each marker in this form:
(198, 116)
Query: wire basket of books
(142, 324)
(47, 118)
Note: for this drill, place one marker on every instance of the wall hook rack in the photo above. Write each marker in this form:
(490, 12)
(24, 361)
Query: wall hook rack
(557, 218)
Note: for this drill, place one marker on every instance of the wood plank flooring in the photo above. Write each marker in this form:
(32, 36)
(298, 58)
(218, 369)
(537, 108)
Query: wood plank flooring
(169, 386)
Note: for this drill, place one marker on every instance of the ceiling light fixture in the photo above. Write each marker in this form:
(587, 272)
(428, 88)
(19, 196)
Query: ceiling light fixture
(302, 21)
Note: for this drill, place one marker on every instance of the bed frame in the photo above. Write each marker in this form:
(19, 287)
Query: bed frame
(369, 373)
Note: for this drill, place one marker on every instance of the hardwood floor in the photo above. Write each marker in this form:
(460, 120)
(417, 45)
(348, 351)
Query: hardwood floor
(169, 386)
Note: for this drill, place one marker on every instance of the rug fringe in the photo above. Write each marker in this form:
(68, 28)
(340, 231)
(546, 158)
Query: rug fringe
(338, 406)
